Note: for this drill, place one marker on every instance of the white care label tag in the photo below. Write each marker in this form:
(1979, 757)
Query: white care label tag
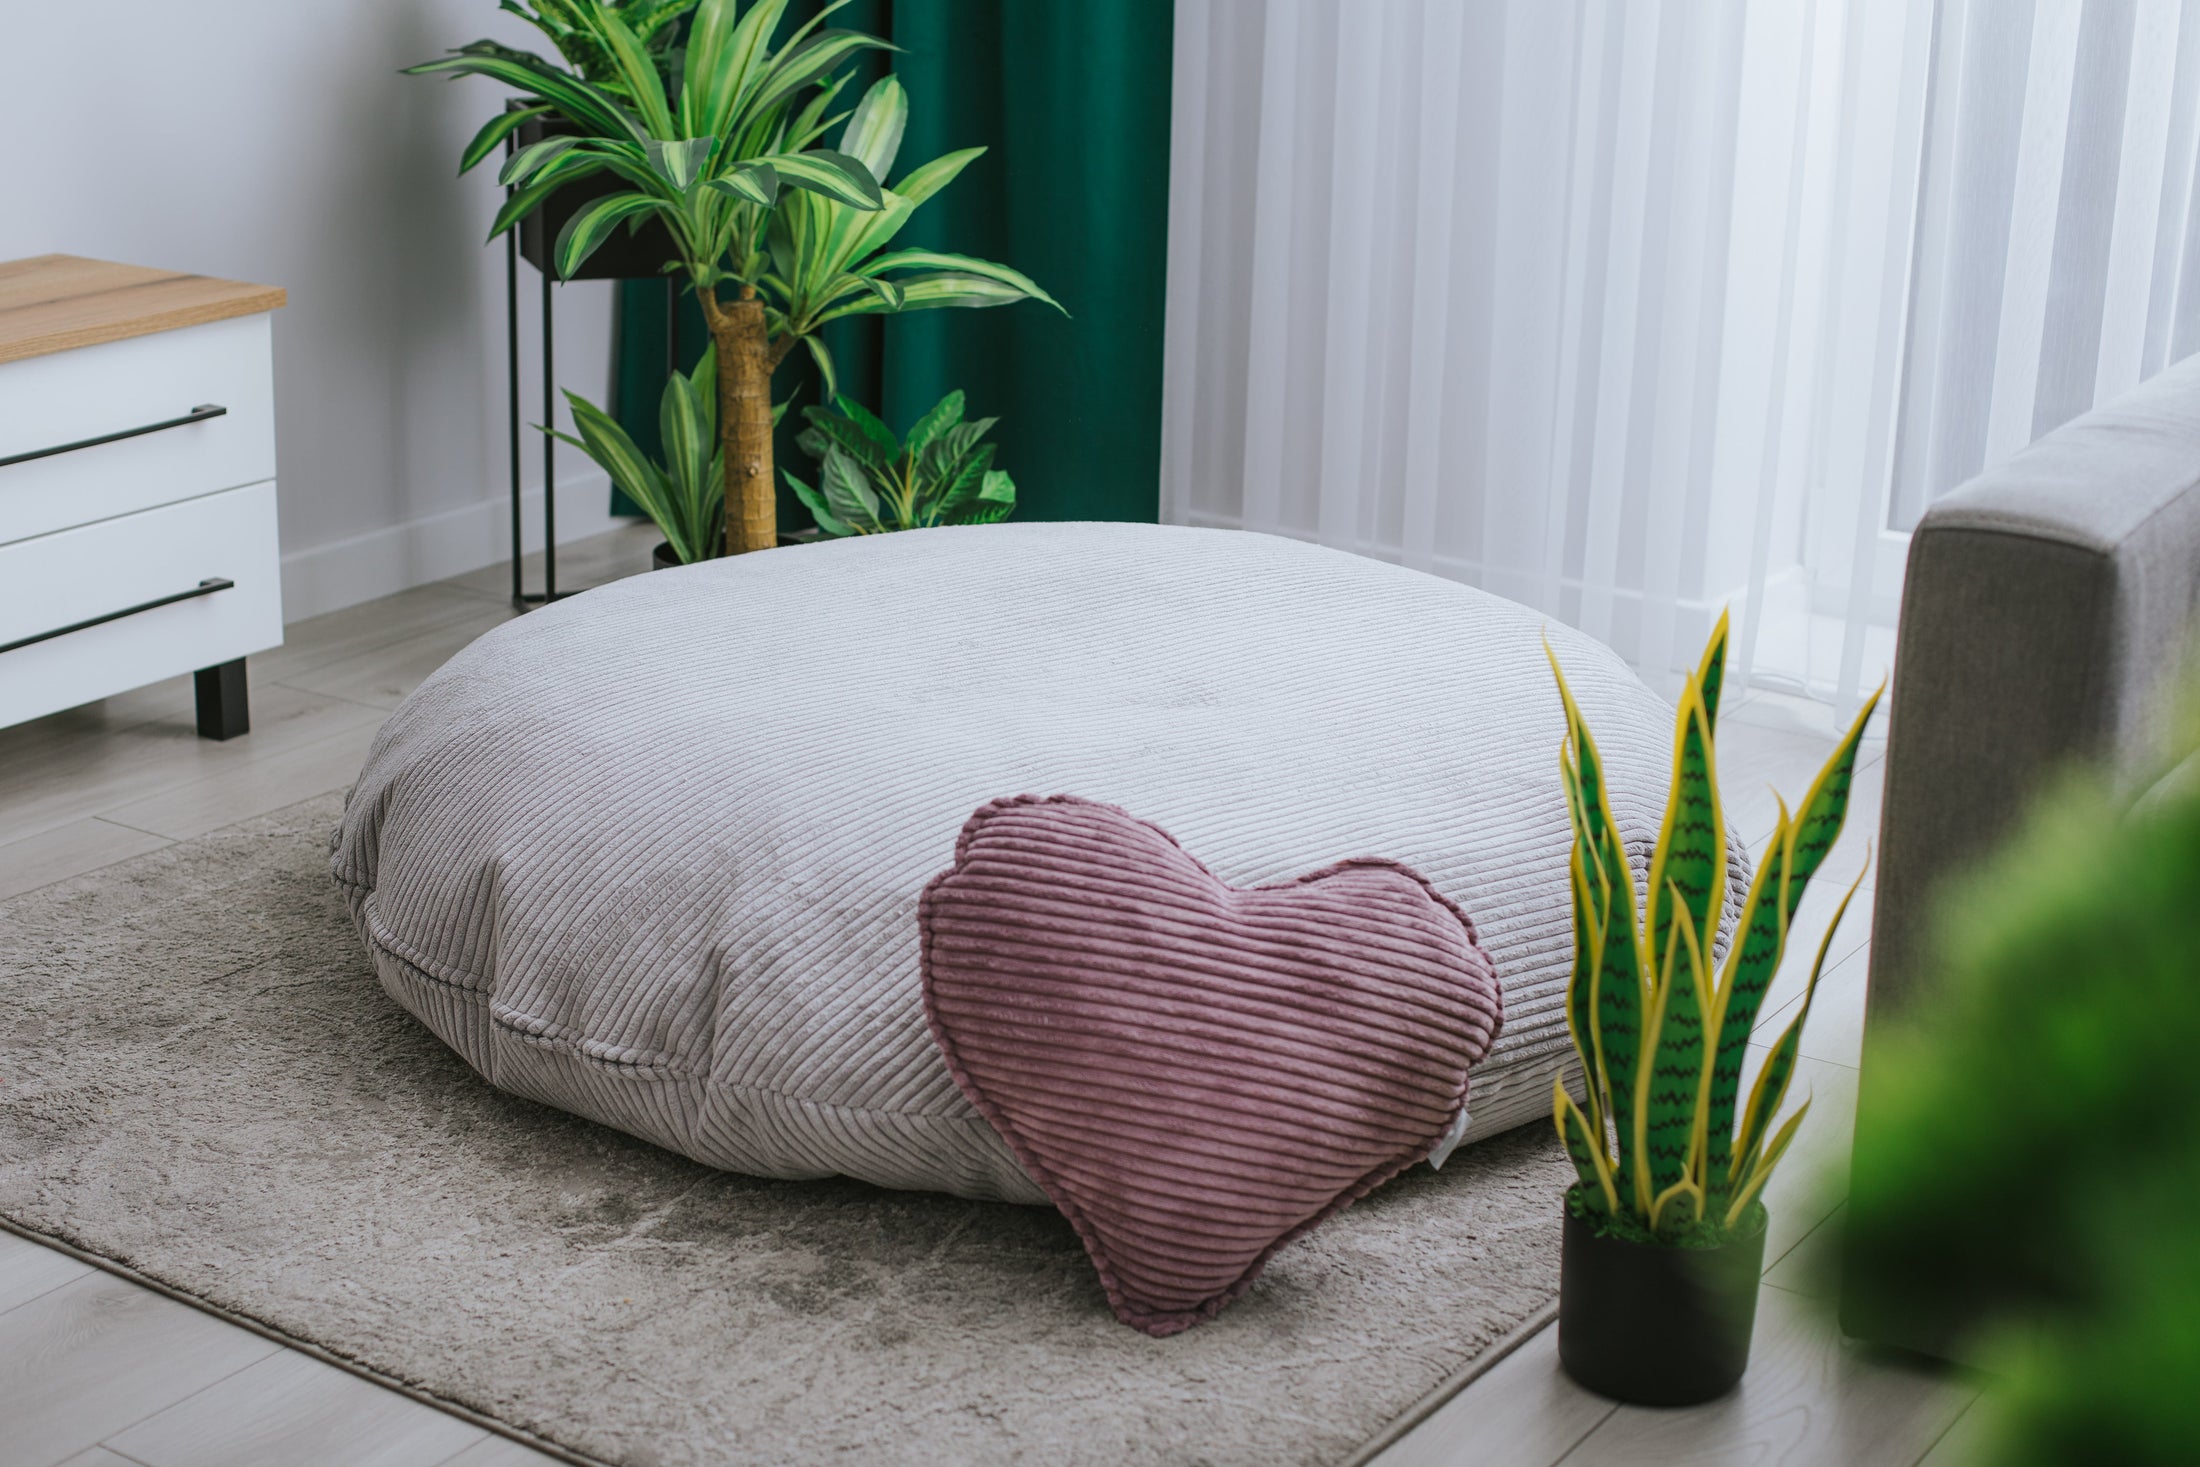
(1442, 1150)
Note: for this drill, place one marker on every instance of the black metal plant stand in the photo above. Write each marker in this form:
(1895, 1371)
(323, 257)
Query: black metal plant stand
(521, 596)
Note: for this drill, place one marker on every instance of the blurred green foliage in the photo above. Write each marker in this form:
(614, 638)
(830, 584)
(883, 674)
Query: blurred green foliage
(2029, 1152)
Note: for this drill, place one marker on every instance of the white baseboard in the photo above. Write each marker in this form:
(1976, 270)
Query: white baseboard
(346, 572)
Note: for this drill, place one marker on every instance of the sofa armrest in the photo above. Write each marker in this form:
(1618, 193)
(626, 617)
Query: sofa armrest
(2045, 602)
(2045, 605)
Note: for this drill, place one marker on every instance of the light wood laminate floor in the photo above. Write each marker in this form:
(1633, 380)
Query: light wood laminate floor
(97, 1372)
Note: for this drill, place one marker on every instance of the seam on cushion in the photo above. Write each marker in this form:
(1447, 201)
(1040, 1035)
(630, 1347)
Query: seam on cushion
(547, 1035)
(477, 997)
(382, 939)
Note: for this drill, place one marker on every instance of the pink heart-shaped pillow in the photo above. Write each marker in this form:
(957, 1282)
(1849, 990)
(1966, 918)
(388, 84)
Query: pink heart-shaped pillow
(1196, 1073)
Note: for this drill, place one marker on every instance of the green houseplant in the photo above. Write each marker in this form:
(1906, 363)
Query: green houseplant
(2027, 1164)
(870, 481)
(1664, 1231)
(686, 494)
(718, 154)
(571, 26)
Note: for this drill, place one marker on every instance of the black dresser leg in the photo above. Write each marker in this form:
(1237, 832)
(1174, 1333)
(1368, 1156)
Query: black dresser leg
(224, 711)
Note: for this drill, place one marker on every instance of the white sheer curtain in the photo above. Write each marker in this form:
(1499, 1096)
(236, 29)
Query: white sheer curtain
(2058, 262)
(1608, 307)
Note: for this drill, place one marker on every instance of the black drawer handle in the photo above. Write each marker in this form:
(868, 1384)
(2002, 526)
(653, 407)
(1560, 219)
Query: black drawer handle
(198, 414)
(206, 587)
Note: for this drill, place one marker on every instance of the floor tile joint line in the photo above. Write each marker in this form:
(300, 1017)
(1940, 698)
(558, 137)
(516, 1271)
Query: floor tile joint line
(1528, 1328)
(304, 1347)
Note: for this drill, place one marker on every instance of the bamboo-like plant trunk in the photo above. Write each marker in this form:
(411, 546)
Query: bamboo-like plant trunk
(745, 419)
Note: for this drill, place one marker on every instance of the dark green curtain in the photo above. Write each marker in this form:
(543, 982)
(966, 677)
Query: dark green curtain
(1071, 100)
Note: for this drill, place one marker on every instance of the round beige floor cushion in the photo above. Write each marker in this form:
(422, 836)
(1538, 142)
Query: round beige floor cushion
(653, 854)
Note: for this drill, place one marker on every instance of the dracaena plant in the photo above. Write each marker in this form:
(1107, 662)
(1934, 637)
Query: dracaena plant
(826, 260)
(715, 155)
(708, 157)
(686, 494)
(869, 481)
(1661, 1031)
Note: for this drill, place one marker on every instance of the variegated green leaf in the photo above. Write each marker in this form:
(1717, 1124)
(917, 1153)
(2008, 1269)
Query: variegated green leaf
(1711, 672)
(963, 264)
(1584, 1148)
(1637, 1172)
(1762, 1172)
(832, 174)
(814, 502)
(801, 63)
(927, 179)
(753, 183)
(592, 224)
(870, 426)
(828, 378)
(1751, 963)
(1818, 820)
(943, 415)
(1676, 1069)
(1581, 989)
(554, 175)
(1676, 1208)
(848, 493)
(531, 76)
(494, 132)
(873, 133)
(1618, 994)
(1770, 1092)
(726, 53)
(609, 445)
(637, 71)
(1688, 866)
(525, 163)
(682, 161)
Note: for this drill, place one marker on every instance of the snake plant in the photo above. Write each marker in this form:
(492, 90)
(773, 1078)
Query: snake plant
(1660, 1028)
(870, 481)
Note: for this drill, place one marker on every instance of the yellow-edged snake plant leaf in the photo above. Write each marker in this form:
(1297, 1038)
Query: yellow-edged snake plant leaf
(1751, 963)
(1616, 983)
(1586, 1151)
(1770, 1092)
(1687, 890)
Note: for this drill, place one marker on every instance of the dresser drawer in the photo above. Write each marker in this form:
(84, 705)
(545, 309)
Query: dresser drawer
(72, 576)
(66, 398)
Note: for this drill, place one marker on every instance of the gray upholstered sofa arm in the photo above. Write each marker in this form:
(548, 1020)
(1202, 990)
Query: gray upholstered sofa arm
(2046, 603)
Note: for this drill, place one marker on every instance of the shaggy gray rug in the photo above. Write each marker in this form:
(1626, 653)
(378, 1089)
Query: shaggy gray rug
(201, 1080)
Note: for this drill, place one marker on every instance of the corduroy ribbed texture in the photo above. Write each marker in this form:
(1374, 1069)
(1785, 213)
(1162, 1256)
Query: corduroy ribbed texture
(653, 853)
(1195, 1073)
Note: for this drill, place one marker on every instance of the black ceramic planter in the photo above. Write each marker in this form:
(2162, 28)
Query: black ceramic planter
(640, 255)
(1652, 1325)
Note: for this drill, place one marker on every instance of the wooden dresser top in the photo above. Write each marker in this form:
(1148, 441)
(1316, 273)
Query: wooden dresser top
(53, 303)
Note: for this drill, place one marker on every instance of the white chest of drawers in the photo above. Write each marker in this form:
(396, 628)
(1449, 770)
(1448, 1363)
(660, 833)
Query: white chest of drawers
(137, 485)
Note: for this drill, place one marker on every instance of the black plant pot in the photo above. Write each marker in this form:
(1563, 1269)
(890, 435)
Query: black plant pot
(1654, 1325)
(640, 255)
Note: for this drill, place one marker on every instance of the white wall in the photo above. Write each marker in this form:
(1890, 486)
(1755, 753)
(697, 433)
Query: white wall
(274, 141)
